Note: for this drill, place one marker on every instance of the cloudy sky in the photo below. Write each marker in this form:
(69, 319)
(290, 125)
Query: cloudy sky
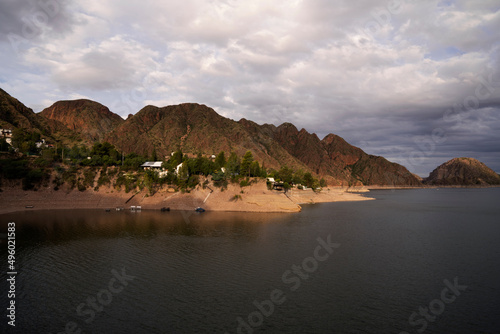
(415, 81)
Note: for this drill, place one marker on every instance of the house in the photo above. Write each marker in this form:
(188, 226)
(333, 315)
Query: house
(152, 165)
(7, 134)
(156, 166)
(41, 143)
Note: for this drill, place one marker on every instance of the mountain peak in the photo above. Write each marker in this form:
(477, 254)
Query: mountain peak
(463, 171)
(89, 118)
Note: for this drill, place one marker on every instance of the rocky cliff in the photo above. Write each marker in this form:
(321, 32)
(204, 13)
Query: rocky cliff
(463, 172)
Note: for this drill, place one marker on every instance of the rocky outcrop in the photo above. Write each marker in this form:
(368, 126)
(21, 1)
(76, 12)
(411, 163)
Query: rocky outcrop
(91, 120)
(463, 172)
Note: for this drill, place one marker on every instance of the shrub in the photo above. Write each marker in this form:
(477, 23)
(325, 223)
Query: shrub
(244, 183)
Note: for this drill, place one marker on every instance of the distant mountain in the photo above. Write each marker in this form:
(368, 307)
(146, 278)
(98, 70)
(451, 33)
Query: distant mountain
(335, 157)
(463, 172)
(90, 119)
(196, 128)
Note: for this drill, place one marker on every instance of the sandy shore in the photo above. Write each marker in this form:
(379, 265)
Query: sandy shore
(254, 198)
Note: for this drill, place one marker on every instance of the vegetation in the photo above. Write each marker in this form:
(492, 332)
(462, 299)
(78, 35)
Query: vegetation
(35, 162)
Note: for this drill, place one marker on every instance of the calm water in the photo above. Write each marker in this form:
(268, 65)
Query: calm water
(152, 272)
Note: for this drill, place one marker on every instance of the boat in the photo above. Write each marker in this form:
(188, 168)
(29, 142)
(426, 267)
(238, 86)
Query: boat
(198, 209)
(164, 209)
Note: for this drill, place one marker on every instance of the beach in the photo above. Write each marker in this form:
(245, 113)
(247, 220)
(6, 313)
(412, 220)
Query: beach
(254, 198)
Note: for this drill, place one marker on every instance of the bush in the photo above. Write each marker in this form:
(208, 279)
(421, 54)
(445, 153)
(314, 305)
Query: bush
(14, 169)
(235, 198)
(34, 177)
(244, 183)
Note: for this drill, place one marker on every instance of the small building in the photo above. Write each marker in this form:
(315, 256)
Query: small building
(41, 143)
(152, 165)
(6, 133)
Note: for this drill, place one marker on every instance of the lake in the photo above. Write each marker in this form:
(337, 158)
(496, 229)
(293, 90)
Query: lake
(412, 261)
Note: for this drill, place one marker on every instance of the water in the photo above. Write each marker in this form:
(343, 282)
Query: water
(234, 272)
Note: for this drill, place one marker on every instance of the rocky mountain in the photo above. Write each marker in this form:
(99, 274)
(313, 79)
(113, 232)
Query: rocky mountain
(463, 172)
(14, 114)
(334, 157)
(90, 119)
(196, 128)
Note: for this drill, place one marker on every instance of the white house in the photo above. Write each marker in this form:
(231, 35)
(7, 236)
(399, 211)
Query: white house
(152, 165)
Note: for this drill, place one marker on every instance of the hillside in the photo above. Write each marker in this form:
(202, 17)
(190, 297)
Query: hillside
(335, 157)
(196, 128)
(14, 114)
(90, 119)
(463, 172)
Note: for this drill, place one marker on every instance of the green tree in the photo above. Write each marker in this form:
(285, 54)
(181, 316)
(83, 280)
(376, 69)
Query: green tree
(154, 156)
(176, 159)
(298, 177)
(322, 183)
(308, 180)
(246, 163)
(285, 174)
(233, 164)
(183, 173)
(255, 169)
(220, 160)
(4, 146)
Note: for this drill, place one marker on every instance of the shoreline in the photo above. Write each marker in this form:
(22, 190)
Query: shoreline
(253, 198)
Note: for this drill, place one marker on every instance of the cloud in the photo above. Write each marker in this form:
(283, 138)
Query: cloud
(375, 72)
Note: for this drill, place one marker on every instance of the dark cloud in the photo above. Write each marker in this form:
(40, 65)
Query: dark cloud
(29, 20)
(392, 80)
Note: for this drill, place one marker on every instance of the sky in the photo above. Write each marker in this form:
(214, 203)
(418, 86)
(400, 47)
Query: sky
(417, 82)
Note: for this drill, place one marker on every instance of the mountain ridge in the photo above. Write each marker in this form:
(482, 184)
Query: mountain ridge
(197, 128)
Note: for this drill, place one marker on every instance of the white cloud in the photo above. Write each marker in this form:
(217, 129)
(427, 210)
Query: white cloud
(327, 66)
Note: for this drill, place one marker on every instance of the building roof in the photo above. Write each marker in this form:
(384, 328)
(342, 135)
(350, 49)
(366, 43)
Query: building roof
(153, 164)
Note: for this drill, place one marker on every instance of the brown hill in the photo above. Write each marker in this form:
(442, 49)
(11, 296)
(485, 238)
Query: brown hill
(334, 157)
(90, 119)
(196, 128)
(14, 114)
(463, 172)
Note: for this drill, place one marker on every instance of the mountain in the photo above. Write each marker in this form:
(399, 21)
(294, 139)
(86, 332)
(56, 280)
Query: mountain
(196, 128)
(335, 157)
(90, 119)
(463, 172)
(14, 114)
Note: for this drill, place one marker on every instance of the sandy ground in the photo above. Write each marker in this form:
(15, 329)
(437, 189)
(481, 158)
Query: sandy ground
(254, 198)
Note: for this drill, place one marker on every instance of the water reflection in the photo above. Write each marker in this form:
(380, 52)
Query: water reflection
(58, 226)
